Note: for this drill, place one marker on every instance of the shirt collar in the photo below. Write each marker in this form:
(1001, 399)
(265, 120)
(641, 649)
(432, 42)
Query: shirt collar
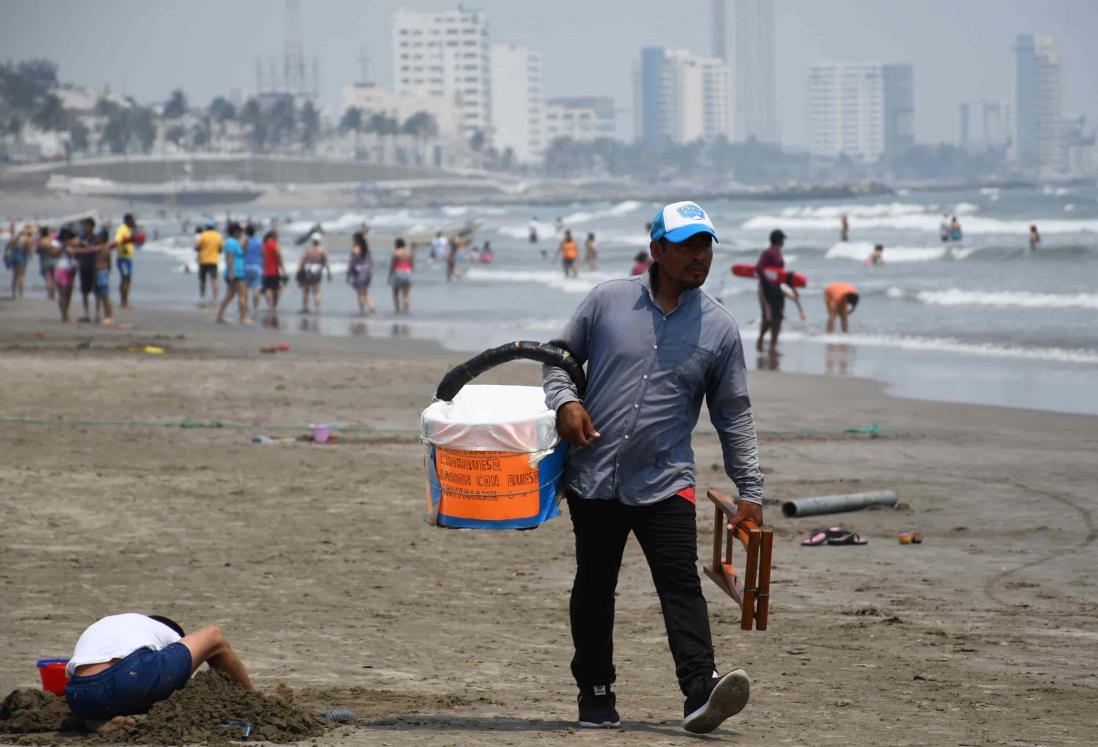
(684, 298)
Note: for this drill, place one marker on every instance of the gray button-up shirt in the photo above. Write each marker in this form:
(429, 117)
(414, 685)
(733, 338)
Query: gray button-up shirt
(646, 375)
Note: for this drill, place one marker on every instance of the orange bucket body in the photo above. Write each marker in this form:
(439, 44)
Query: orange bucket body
(492, 489)
(54, 678)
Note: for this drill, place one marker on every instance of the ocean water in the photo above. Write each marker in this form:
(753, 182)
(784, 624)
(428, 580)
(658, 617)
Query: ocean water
(981, 320)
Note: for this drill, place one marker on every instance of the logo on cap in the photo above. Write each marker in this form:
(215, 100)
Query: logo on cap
(691, 212)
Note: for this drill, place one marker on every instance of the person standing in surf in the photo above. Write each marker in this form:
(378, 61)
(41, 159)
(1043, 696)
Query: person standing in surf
(1034, 239)
(124, 240)
(771, 296)
(401, 266)
(360, 271)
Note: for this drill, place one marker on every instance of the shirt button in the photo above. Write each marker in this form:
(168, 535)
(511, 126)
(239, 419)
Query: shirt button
(645, 377)
(636, 405)
(626, 436)
(655, 347)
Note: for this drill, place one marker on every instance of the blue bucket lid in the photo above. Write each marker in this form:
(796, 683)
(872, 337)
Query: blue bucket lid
(44, 662)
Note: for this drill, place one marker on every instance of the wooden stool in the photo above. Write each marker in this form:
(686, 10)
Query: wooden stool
(752, 594)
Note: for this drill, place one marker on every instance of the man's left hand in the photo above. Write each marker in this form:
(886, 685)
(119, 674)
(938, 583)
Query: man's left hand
(747, 510)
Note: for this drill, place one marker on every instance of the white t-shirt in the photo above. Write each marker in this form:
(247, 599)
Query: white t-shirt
(118, 636)
(438, 247)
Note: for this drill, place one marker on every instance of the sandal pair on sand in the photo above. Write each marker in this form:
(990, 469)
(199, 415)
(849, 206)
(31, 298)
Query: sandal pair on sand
(834, 536)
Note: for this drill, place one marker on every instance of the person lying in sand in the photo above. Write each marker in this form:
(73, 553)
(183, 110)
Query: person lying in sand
(125, 663)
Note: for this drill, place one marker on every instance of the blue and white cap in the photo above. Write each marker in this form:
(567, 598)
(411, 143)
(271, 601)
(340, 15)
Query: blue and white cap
(680, 220)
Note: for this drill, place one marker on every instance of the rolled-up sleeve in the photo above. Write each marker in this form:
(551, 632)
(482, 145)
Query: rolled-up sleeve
(730, 411)
(558, 385)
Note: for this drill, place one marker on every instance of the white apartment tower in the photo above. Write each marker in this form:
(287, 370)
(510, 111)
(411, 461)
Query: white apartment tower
(517, 102)
(446, 53)
(681, 97)
(846, 111)
(1037, 104)
(753, 71)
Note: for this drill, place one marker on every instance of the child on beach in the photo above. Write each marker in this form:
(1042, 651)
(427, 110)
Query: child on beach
(103, 278)
(123, 664)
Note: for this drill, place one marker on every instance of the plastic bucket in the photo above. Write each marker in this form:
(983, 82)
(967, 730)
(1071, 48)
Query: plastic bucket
(52, 672)
(492, 489)
(321, 432)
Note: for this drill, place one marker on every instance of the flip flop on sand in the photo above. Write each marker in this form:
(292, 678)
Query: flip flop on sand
(821, 536)
(815, 537)
(850, 537)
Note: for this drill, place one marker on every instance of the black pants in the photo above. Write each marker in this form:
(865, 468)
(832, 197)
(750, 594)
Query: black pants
(667, 533)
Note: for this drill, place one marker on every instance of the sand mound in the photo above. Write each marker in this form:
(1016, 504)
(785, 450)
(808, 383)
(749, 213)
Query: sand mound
(192, 715)
(27, 711)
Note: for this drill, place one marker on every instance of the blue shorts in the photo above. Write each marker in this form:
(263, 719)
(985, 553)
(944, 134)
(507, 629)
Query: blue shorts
(253, 276)
(132, 685)
(103, 282)
(125, 268)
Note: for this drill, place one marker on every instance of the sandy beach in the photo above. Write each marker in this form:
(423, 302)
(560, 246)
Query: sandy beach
(119, 493)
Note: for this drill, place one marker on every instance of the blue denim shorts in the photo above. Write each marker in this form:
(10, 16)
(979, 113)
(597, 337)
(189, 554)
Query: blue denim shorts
(132, 685)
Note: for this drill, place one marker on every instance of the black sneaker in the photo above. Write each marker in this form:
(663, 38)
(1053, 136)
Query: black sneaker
(715, 699)
(596, 708)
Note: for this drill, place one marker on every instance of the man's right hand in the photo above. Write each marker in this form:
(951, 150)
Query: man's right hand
(574, 424)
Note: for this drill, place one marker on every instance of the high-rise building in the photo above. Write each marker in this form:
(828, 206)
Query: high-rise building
(846, 111)
(899, 107)
(681, 97)
(517, 103)
(581, 118)
(987, 124)
(1037, 103)
(753, 71)
(446, 53)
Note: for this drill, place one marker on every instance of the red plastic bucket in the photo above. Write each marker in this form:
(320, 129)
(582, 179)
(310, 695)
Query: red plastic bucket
(52, 672)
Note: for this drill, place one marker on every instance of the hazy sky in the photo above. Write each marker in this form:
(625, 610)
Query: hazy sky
(961, 49)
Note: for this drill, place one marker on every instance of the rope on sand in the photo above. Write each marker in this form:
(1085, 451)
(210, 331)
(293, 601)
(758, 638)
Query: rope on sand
(195, 424)
(872, 431)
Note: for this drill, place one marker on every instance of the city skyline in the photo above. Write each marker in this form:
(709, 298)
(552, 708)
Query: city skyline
(979, 35)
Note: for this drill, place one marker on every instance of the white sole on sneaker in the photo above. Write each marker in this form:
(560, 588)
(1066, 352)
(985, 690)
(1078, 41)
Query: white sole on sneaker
(604, 725)
(728, 698)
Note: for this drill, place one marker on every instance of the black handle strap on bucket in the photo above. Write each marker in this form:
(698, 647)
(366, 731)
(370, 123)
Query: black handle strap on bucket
(462, 374)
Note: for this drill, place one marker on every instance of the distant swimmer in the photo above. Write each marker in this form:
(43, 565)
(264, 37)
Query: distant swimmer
(591, 252)
(569, 254)
(943, 227)
(844, 229)
(1034, 239)
(641, 262)
(486, 254)
(535, 229)
(840, 300)
(877, 257)
(559, 227)
(954, 229)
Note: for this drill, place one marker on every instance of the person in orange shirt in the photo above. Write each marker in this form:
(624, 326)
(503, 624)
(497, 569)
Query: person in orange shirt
(569, 252)
(840, 299)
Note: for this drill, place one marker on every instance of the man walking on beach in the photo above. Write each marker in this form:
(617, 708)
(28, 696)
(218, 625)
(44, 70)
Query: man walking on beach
(124, 241)
(771, 297)
(655, 345)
